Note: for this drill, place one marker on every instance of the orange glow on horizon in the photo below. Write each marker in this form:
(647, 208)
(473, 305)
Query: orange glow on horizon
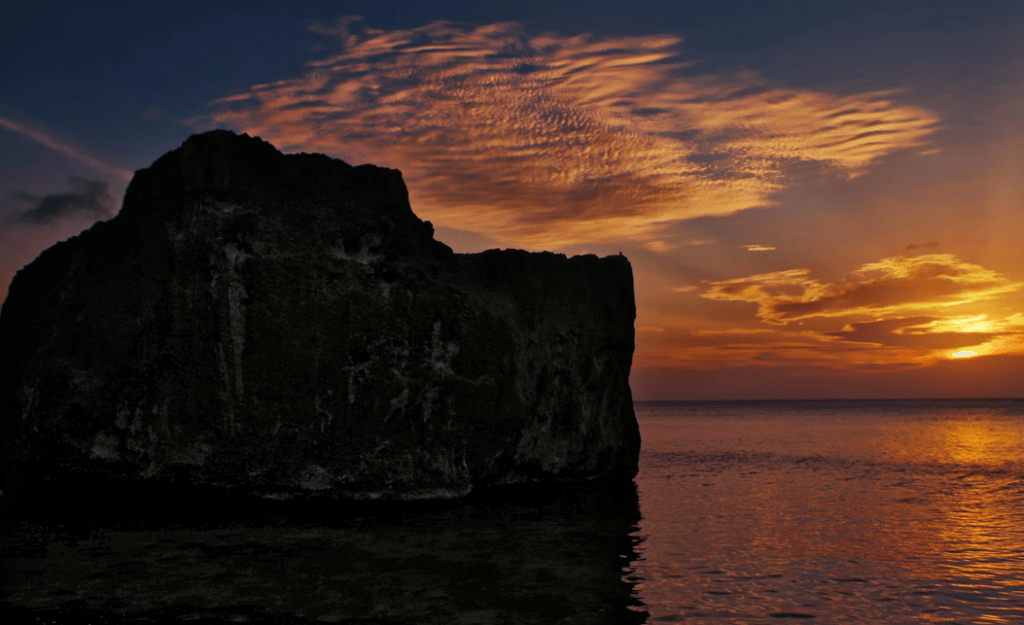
(897, 314)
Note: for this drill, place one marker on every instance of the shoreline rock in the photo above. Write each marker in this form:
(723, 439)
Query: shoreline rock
(285, 326)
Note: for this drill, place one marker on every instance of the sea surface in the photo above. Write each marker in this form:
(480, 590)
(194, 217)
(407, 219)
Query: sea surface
(832, 511)
(743, 512)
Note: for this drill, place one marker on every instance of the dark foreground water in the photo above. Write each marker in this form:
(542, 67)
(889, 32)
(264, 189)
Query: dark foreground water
(827, 512)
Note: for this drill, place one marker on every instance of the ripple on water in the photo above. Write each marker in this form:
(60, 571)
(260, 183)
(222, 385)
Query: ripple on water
(849, 514)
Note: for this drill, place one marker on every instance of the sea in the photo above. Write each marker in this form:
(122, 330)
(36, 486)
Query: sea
(908, 511)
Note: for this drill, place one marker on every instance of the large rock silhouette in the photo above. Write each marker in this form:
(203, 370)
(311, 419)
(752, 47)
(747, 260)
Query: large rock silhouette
(284, 325)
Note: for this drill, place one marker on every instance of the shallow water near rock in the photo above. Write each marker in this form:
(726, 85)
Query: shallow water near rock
(774, 512)
(505, 558)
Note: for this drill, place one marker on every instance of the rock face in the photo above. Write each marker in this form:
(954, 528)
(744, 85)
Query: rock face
(284, 325)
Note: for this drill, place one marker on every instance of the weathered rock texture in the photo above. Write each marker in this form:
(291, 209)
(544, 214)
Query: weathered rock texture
(285, 325)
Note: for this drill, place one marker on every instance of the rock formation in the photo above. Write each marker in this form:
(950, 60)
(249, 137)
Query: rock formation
(284, 325)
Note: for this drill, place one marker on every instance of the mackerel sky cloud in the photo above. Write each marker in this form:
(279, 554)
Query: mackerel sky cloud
(545, 140)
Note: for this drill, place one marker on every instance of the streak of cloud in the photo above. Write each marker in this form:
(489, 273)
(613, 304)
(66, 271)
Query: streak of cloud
(909, 332)
(650, 329)
(658, 246)
(46, 139)
(551, 140)
(734, 348)
(758, 248)
(90, 197)
(892, 286)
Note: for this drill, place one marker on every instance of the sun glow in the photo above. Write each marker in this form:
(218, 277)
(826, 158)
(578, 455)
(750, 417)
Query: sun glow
(964, 354)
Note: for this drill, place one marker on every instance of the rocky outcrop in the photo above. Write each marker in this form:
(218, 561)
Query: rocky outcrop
(284, 325)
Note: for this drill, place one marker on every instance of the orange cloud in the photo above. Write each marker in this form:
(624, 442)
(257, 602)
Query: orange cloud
(549, 140)
(658, 246)
(893, 286)
(689, 349)
(909, 332)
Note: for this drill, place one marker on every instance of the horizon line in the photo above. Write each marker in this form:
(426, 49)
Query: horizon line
(808, 399)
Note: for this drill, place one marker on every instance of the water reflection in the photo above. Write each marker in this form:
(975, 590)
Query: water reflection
(849, 513)
(557, 556)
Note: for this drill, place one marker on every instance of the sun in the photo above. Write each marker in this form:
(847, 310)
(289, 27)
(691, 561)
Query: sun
(964, 354)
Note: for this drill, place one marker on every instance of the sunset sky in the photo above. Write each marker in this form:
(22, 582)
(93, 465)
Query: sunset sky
(819, 199)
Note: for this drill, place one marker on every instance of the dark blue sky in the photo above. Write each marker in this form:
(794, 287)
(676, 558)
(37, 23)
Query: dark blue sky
(117, 75)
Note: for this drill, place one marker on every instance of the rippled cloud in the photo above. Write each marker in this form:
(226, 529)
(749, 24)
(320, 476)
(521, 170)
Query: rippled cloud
(550, 140)
(892, 286)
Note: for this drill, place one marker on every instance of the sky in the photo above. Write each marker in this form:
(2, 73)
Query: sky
(819, 199)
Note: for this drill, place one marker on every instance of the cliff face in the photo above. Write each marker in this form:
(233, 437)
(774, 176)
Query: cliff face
(284, 325)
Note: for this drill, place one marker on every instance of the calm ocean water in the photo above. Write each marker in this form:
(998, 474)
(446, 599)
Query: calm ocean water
(847, 512)
(827, 512)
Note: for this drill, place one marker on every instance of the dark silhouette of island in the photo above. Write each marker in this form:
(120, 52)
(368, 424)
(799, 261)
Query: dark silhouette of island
(284, 326)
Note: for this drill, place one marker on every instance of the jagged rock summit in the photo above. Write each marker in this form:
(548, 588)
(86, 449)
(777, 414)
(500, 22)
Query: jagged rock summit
(284, 325)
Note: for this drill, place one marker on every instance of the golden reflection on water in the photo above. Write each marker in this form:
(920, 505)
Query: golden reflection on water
(903, 516)
(979, 442)
(975, 522)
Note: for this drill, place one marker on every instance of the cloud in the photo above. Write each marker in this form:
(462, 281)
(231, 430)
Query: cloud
(678, 347)
(658, 246)
(758, 248)
(551, 140)
(889, 287)
(89, 196)
(919, 328)
(1009, 324)
(46, 139)
(909, 332)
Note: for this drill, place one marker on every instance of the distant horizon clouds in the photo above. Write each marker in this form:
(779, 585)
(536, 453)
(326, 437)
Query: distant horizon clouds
(547, 140)
(890, 286)
(927, 303)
